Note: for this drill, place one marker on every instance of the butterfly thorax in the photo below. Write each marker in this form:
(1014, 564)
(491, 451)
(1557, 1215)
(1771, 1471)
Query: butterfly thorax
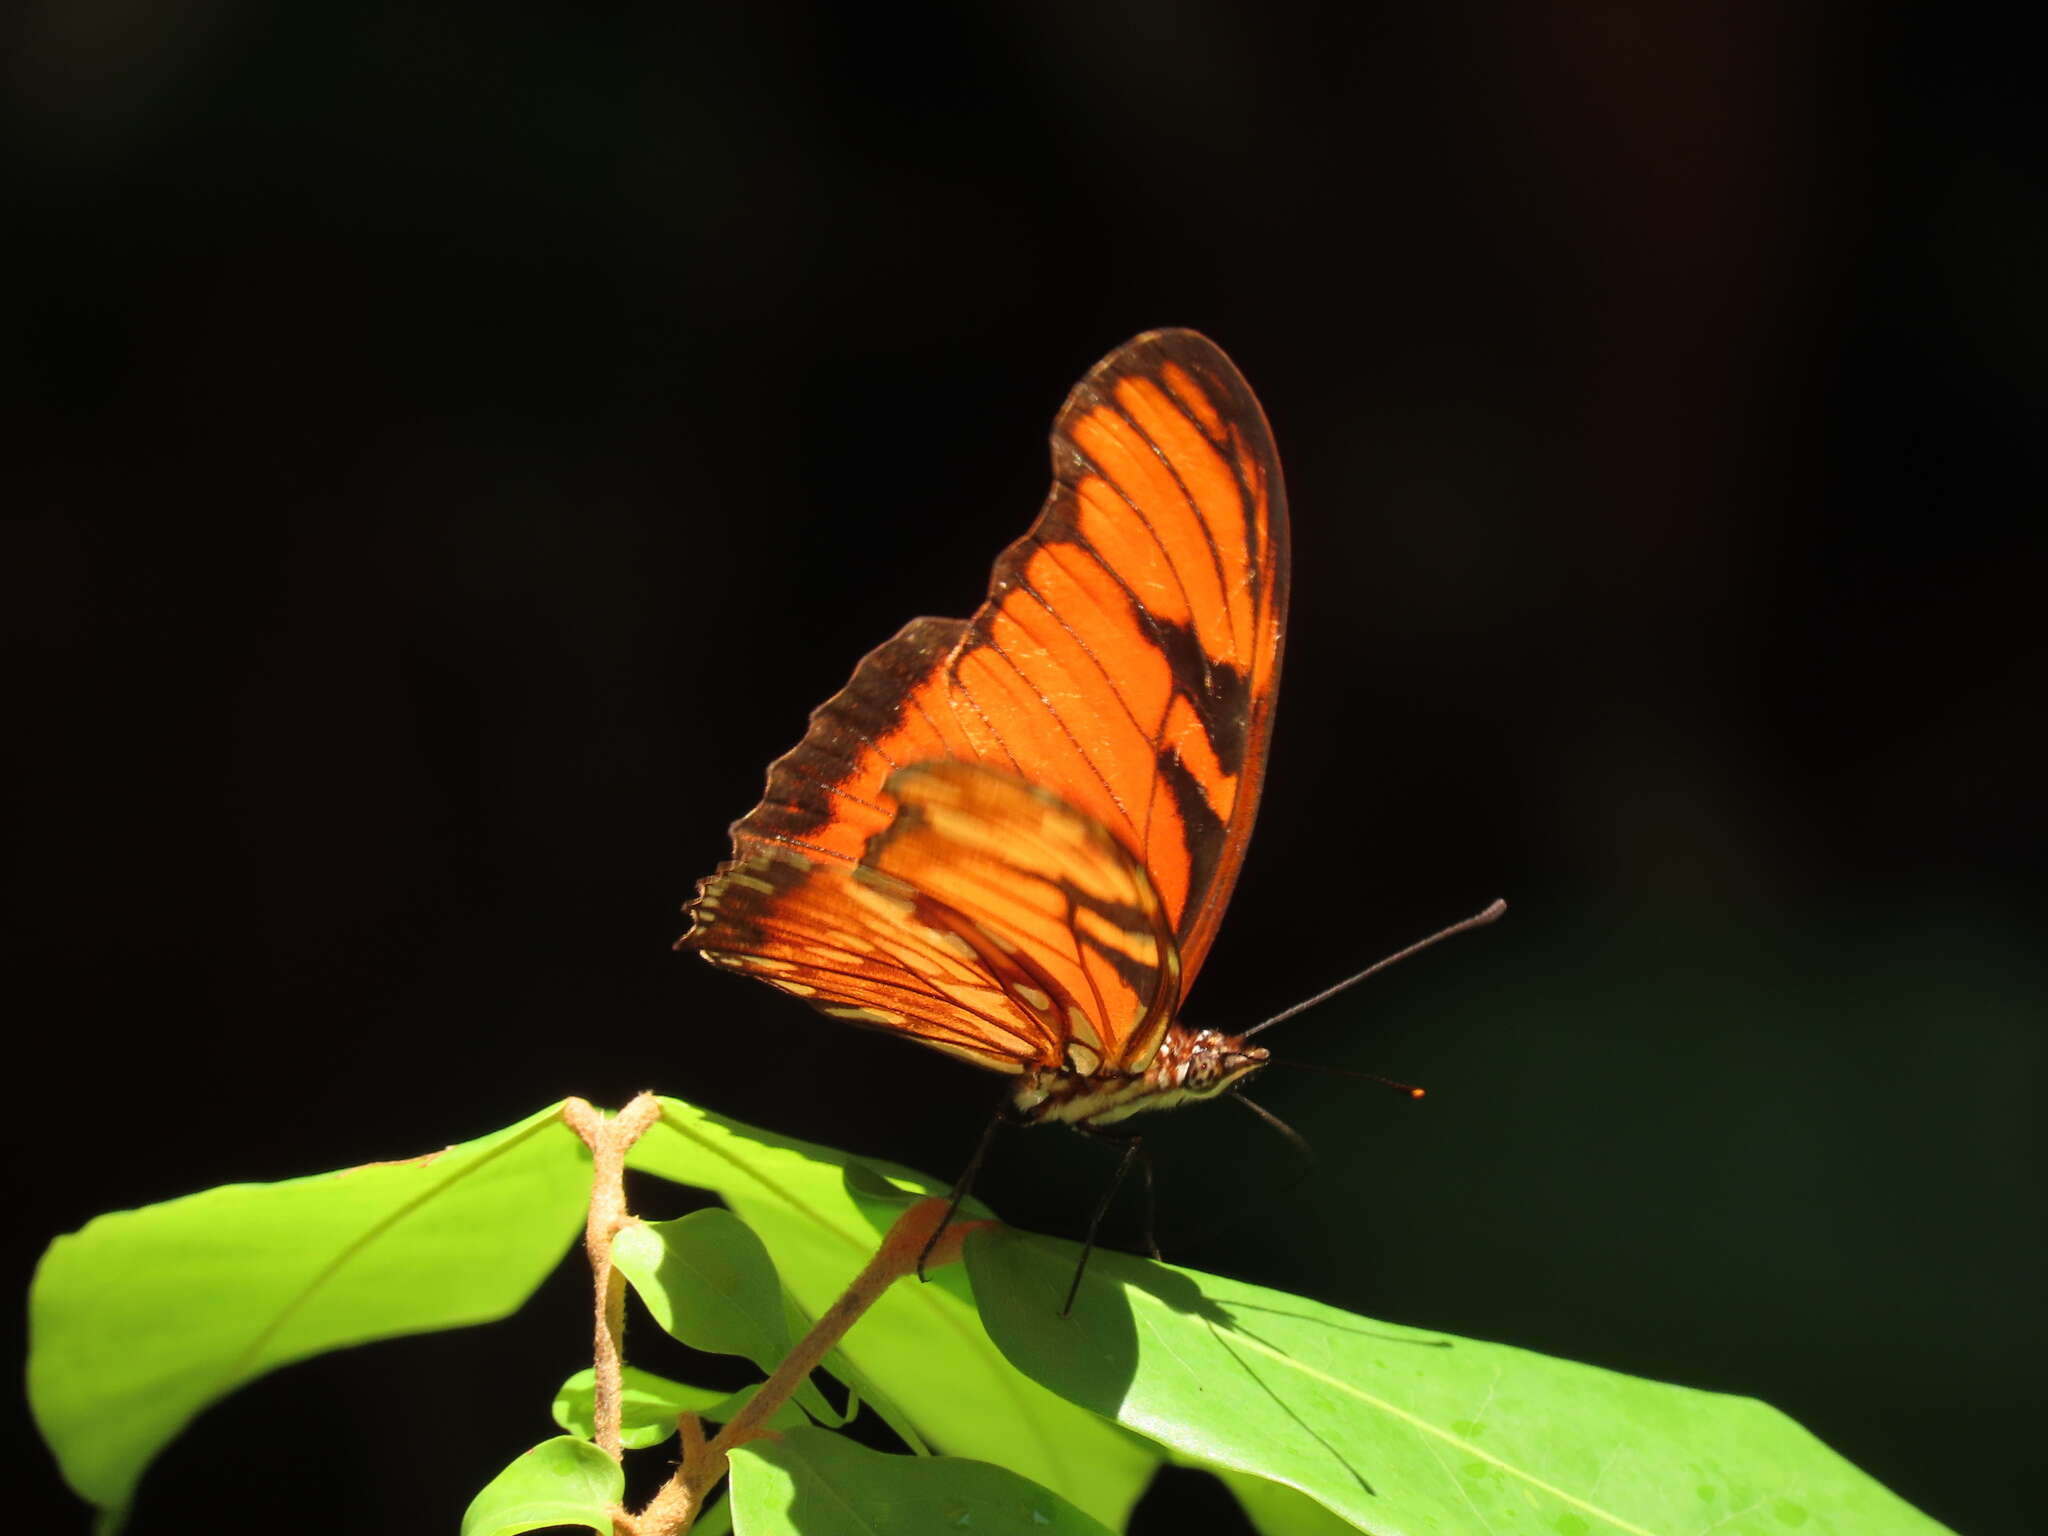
(1190, 1064)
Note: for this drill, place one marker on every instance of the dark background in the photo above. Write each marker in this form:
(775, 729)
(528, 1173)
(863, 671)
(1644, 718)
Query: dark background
(452, 451)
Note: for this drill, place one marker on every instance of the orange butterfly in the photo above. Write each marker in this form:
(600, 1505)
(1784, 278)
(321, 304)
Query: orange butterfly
(1013, 836)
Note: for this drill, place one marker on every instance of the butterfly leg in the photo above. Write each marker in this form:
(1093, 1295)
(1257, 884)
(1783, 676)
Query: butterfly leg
(1151, 1208)
(964, 1184)
(1133, 1150)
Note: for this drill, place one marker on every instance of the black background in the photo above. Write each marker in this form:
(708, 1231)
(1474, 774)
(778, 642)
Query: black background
(453, 450)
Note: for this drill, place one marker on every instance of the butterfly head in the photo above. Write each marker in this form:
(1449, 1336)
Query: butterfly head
(1202, 1063)
(1190, 1065)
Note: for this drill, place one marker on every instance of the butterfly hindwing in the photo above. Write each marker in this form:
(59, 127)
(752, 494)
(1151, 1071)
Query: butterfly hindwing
(991, 919)
(862, 951)
(1048, 888)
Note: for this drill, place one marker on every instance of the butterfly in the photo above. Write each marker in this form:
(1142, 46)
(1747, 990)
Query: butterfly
(1012, 836)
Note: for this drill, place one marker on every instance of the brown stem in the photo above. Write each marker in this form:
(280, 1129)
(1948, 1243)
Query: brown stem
(608, 1140)
(676, 1505)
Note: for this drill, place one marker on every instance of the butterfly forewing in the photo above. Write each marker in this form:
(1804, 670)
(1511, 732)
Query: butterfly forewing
(1124, 665)
(1143, 614)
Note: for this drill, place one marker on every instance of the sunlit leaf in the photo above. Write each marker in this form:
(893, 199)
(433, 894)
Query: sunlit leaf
(811, 1483)
(921, 1350)
(709, 1282)
(1402, 1430)
(1275, 1509)
(648, 1406)
(143, 1318)
(564, 1481)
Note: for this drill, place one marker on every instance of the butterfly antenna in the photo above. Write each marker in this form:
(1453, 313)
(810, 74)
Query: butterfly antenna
(1477, 920)
(1410, 1089)
(1308, 1153)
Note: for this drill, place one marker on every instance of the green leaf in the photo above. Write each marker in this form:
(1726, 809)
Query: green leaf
(871, 1184)
(709, 1282)
(143, 1318)
(920, 1351)
(648, 1406)
(811, 1483)
(1277, 1510)
(860, 1389)
(1401, 1430)
(564, 1481)
(788, 1416)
